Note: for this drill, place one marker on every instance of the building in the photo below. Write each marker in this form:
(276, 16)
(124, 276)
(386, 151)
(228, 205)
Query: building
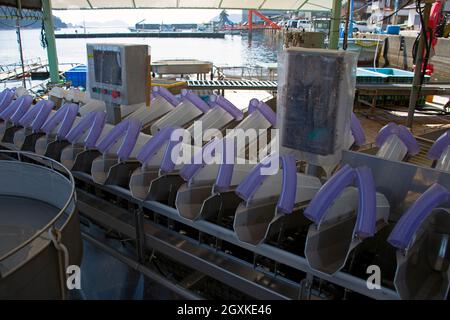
(412, 17)
(361, 10)
(382, 8)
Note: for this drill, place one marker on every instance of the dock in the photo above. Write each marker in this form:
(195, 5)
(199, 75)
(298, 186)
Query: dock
(361, 88)
(215, 35)
(15, 71)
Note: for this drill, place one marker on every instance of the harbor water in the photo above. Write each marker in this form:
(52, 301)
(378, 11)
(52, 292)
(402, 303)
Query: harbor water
(234, 50)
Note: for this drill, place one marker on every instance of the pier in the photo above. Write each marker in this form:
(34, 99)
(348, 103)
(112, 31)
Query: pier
(215, 35)
(18, 71)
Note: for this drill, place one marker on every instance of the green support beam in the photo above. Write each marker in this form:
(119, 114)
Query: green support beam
(51, 43)
(334, 27)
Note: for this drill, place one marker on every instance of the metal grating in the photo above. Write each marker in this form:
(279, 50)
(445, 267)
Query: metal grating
(232, 84)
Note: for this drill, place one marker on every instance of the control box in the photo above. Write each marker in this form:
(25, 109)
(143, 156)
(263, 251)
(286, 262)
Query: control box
(117, 73)
(316, 90)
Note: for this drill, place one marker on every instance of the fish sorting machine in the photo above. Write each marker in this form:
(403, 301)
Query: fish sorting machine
(229, 229)
(300, 231)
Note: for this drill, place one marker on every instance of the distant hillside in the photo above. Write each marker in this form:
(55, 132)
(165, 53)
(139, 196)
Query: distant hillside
(7, 24)
(235, 17)
(100, 24)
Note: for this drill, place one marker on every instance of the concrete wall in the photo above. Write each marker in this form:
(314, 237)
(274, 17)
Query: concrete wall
(441, 59)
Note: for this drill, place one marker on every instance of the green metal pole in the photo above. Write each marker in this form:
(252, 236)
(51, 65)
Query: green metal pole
(333, 41)
(51, 43)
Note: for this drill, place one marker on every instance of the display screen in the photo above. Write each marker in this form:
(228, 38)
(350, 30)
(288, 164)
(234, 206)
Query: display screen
(108, 67)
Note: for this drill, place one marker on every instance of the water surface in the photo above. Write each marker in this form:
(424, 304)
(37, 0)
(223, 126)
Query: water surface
(234, 50)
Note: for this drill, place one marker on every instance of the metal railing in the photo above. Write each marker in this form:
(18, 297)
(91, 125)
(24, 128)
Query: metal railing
(11, 67)
(49, 164)
(14, 71)
(244, 72)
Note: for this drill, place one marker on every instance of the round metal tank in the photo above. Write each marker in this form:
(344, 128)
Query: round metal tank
(39, 227)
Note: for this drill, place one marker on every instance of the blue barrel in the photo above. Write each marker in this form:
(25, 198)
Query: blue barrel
(77, 75)
(393, 29)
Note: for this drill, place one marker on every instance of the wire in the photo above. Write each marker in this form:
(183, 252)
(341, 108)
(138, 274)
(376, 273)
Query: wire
(388, 16)
(379, 35)
(362, 7)
(43, 39)
(396, 11)
(376, 49)
(428, 42)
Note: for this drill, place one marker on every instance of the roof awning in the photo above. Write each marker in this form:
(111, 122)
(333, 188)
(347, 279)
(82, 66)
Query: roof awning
(303, 5)
(25, 4)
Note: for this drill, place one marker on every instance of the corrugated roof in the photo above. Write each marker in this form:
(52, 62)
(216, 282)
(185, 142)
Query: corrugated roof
(26, 4)
(304, 5)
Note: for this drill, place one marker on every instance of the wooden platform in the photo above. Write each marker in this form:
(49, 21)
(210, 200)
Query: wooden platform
(423, 122)
(15, 71)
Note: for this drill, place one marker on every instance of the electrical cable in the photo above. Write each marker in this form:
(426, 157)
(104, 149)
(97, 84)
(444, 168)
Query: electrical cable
(428, 43)
(421, 111)
(376, 49)
(395, 12)
(43, 39)
(388, 16)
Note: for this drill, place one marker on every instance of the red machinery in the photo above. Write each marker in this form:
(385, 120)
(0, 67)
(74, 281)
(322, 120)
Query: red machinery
(268, 24)
(434, 22)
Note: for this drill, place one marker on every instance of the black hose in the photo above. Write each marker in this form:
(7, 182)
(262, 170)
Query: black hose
(44, 42)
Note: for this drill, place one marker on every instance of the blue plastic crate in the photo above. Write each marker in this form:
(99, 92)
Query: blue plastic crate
(366, 76)
(396, 75)
(393, 29)
(392, 75)
(77, 76)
